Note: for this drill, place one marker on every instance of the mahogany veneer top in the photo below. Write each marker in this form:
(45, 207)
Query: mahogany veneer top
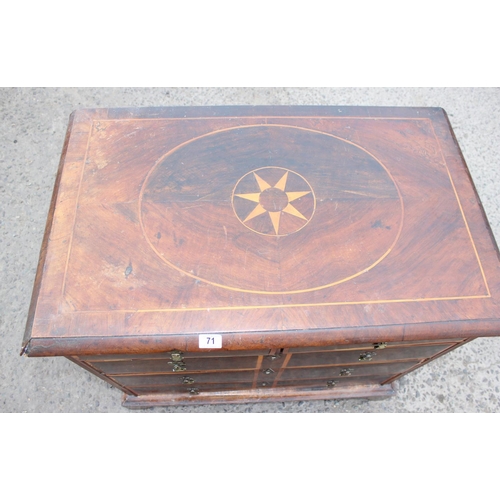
(277, 226)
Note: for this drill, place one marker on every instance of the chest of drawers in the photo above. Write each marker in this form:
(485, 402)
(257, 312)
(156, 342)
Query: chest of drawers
(239, 254)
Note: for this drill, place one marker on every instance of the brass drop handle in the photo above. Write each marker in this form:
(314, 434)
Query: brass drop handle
(175, 356)
(177, 366)
(194, 391)
(346, 372)
(268, 371)
(177, 362)
(366, 356)
(187, 380)
(331, 383)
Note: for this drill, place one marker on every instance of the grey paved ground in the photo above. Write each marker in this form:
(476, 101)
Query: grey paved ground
(32, 127)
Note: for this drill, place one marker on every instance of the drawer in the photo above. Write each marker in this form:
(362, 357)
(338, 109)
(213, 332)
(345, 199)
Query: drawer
(158, 389)
(365, 356)
(326, 383)
(376, 346)
(360, 370)
(168, 355)
(167, 365)
(175, 379)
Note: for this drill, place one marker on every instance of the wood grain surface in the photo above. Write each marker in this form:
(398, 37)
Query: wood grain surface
(275, 226)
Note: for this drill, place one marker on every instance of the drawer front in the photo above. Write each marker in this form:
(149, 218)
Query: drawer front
(168, 355)
(375, 346)
(167, 365)
(365, 356)
(332, 382)
(358, 370)
(176, 379)
(193, 390)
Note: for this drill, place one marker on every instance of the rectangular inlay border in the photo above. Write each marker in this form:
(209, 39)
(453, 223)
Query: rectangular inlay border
(281, 306)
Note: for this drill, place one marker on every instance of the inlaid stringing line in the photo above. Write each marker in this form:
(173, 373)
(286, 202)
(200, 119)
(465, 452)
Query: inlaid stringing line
(462, 212)
(76, 210)
(283, 306)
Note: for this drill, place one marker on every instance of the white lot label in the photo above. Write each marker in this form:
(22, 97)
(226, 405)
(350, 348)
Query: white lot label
(210, 341)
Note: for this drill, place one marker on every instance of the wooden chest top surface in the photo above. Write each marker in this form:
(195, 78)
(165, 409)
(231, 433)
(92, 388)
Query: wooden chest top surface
(276, 226)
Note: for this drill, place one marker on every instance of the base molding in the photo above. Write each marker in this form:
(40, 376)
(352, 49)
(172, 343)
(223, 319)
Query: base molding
(374, 391)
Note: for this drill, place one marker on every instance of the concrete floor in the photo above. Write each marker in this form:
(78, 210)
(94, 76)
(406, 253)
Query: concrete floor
(32, 127)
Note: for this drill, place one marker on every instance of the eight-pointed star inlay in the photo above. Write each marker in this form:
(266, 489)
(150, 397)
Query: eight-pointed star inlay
(274, 200)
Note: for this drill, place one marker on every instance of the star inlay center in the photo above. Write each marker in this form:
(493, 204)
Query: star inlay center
(273, 199)
(283, 202)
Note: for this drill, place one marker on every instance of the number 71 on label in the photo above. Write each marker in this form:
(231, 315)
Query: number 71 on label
(210, 341)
